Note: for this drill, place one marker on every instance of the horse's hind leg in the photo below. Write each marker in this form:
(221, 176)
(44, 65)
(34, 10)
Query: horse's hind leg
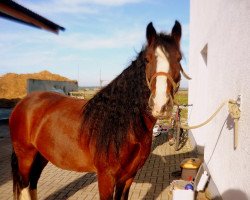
(21, 165)
(16, 177)
(37, 167)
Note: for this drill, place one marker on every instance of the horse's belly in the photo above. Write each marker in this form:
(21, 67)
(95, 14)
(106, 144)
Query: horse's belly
(74, 163)
(66, 153)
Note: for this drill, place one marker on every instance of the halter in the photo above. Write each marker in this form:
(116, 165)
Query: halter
(175, 85)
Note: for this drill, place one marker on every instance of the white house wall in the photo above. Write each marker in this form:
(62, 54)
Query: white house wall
(224, 25)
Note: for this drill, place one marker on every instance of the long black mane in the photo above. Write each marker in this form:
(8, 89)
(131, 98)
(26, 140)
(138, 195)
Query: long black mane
(119, 106)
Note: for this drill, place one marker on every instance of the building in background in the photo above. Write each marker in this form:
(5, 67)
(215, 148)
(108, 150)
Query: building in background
(63, 87)
(220, 69)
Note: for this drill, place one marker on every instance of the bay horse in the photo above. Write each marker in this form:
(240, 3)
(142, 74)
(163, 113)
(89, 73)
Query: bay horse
(111, 134)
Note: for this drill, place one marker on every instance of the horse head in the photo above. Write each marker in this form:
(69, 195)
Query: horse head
(163, 69)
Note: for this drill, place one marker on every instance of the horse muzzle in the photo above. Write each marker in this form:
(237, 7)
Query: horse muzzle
(164, 111)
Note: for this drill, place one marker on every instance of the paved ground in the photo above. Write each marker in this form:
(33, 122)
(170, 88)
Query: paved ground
(151, 181)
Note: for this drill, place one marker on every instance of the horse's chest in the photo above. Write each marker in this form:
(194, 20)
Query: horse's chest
(138, 153)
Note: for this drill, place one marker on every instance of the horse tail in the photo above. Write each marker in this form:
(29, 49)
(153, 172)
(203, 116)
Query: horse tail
(15, 175)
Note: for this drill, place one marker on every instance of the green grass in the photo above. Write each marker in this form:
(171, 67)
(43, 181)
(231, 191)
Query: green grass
(182, 98)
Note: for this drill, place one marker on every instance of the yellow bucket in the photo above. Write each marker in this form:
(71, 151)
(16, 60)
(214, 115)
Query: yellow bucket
(191, 163)
(190, 168)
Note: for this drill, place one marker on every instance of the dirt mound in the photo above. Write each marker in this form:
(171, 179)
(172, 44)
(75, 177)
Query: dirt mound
(13, 86)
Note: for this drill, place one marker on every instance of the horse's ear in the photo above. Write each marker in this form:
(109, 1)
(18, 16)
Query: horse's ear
(176, 32)
(151, 33)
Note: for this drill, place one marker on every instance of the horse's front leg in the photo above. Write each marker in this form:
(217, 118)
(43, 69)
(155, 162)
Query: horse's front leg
(122, 189)
(119, 190)
(106, 184)
(126, 188)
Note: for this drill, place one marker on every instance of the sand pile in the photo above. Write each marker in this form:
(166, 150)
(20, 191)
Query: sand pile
(13, 86)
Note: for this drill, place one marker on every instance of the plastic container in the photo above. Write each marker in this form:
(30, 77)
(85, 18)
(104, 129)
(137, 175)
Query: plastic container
(203, 181)
(190, 168)
(183, 195)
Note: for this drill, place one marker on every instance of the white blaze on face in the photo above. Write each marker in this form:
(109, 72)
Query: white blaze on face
(160, 98)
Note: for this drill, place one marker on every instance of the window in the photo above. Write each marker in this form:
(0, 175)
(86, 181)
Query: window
(204, 54)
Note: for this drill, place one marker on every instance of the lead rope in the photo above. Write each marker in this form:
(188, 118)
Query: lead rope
(205, 122)
(234, 112)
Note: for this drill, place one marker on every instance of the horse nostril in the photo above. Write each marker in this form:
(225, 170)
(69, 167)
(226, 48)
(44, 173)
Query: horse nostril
(155, 113)
(163, 108)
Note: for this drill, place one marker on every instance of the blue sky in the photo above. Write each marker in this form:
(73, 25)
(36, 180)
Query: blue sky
(100, 34)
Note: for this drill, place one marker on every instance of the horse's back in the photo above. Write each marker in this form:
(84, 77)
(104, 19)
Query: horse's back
(37, 105)
(51, 123)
